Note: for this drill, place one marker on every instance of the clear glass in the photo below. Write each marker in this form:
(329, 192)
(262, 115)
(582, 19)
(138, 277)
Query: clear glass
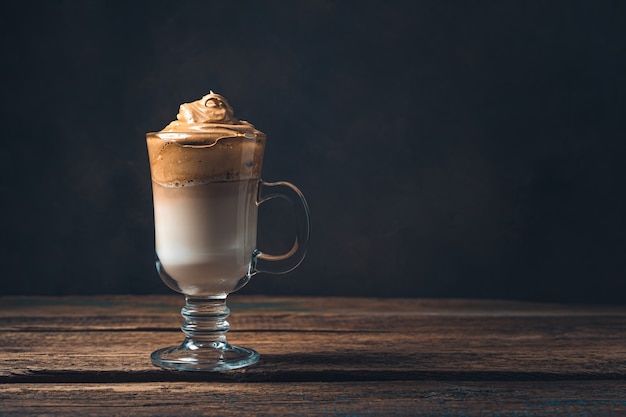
(205, 241)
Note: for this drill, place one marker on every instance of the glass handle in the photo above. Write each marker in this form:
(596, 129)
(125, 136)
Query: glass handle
(286, 262)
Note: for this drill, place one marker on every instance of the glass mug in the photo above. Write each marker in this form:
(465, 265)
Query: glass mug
(205, 240)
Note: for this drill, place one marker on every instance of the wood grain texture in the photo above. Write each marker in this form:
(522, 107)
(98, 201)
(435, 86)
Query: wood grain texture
(408, 398)
(319, 356)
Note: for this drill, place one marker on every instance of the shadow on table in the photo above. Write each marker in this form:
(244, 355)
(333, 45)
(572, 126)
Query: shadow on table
(352, 366)
(325, 367)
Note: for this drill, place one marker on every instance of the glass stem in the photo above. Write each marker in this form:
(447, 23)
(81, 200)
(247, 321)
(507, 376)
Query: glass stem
(205, 322)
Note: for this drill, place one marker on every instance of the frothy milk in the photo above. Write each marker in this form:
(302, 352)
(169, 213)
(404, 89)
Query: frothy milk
(205, 234)
(205, 169)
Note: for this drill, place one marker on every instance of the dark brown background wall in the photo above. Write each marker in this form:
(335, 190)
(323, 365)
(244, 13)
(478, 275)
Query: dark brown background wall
(447, 149)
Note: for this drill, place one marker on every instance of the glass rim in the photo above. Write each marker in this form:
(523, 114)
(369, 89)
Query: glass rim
(215, 135)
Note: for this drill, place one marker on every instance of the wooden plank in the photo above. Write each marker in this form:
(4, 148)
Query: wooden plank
(164, 305)
(256, 313)
(408, 398)
(110, 304)
(461, 353)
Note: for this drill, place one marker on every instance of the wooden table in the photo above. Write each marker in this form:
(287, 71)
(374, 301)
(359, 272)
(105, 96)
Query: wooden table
(319, 357)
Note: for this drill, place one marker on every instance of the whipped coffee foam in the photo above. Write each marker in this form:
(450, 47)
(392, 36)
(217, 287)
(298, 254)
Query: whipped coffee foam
(206, 143)
(202, 114)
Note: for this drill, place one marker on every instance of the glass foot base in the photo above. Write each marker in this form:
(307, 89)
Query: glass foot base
(215, 357)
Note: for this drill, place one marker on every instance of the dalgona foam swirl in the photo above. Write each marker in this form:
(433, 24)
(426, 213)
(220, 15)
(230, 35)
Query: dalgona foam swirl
(203, 114)
(205, 143)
